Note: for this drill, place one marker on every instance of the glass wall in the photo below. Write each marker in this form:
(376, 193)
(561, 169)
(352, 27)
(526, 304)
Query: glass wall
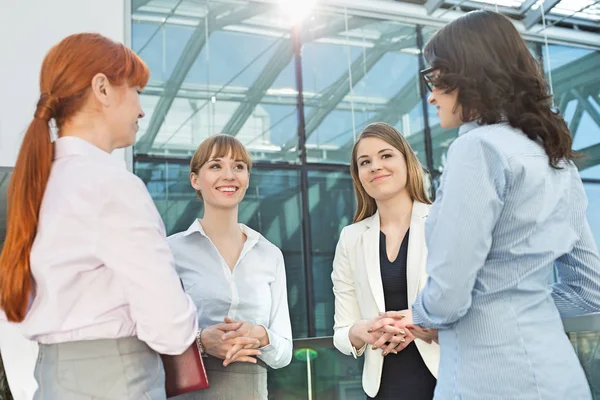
(239, 68)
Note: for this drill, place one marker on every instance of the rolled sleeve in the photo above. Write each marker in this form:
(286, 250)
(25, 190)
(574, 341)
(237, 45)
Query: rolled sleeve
(278, 353)
(131, 242)
(467, 208)
(577, 291)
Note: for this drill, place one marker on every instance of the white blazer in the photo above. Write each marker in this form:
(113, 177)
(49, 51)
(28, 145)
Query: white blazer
(358, 288)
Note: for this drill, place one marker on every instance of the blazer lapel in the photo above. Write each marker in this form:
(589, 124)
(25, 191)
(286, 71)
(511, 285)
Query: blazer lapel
(416, 259)
(370, 243)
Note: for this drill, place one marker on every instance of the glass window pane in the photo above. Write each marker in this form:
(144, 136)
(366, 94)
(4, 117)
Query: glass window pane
(353, 77)
(334, 376)
(271, 206)
(331, 205)
(216, 67)
(577, 95)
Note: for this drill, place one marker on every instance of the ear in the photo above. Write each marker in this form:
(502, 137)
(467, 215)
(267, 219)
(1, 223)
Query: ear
(101, 89)
(194, 181)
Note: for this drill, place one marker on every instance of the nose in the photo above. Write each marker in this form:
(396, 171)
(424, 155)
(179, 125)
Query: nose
(375, 166)
(229, 174)
(431, 98)
(141, 114)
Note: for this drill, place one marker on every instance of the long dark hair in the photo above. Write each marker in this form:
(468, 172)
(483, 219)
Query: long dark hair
(483, 56)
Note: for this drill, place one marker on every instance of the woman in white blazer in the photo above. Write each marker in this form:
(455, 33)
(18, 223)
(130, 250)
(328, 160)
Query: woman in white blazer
(379, 266)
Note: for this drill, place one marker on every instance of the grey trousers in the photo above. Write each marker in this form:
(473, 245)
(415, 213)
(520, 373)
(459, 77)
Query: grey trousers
(110, 369)
(238, 381)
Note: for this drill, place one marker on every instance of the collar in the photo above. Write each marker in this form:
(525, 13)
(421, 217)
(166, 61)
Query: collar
(419, 211)
(70, 145)
(469, 126)
(196, 226)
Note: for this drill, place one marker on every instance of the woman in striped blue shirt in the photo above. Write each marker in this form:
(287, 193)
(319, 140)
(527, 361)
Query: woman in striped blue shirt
(510, 208)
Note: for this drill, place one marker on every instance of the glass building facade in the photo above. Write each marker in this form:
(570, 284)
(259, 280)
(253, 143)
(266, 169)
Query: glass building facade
(298, 98)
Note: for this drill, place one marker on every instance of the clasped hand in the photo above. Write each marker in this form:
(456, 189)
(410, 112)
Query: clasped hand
(392, 331)
(234, 341)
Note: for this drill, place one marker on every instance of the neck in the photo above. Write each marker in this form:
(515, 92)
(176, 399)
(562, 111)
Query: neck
(396, 210)
(220, 222)
(91, 130)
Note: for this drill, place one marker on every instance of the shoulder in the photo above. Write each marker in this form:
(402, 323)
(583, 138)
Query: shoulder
(176, 238)
(351, 233)
(119, 182)
(263, 245)
(497, 141)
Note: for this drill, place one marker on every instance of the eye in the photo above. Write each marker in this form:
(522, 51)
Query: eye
(214, 166)
(386, 155)
(240, 166)
(364, 162)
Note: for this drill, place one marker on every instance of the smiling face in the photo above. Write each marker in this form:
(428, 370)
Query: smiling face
(382, 168)
(222, 181)
(220, 171)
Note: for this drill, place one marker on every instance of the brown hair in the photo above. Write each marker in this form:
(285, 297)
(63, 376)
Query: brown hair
(65, 82)
(221, 145)
(367, 206)
(483, 56)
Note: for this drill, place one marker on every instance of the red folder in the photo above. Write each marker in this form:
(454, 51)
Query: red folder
(185, 373)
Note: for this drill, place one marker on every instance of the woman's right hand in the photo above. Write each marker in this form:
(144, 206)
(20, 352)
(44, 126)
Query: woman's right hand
(214, 345)
(361, 333)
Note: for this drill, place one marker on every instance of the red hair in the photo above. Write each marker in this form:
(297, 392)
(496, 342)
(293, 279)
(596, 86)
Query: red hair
(65, 83)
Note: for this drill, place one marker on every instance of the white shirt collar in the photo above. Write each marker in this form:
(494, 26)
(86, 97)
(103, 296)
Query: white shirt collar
(196, 226)
(71, 145)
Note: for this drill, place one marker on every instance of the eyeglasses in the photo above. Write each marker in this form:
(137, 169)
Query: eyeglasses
(428, 78)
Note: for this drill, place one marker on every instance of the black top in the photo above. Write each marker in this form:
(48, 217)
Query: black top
(405, 376)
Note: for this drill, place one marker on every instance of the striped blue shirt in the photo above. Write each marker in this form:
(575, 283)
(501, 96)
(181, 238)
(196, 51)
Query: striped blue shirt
(502, 220)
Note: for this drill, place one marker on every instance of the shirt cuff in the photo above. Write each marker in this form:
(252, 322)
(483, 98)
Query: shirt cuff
(273, 353)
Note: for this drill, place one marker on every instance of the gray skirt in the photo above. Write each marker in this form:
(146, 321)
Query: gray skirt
(238, 381)
(110, 369)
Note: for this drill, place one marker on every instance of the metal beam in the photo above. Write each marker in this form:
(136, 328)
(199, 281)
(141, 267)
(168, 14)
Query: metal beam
(432, 5)
(535, 16)
(280, 59)
(184, 64)
(583, 102)
(575, 120)
(338, 90)
(403, 101)
(581, 72)
(135, 4)
(591, 157)
(526, 6)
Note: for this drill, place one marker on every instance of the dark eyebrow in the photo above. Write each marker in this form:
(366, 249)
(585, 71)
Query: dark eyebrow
(379, 152)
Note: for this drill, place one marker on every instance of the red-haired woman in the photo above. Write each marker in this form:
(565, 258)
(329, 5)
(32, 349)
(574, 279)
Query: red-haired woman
(85, 268)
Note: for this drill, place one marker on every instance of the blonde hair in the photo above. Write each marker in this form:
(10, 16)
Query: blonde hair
(221, 145)
(366, 205)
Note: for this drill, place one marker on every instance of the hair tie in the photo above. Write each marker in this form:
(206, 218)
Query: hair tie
(46, 107)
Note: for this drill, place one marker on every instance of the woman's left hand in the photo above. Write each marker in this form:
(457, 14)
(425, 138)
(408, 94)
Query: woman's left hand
(404, 318)
(247, 330)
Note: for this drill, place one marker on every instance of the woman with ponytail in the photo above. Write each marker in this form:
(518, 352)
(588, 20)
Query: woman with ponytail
(85, 268)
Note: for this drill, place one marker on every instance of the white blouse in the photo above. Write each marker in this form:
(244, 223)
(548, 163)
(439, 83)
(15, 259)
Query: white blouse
(100, 260)
(255, 291)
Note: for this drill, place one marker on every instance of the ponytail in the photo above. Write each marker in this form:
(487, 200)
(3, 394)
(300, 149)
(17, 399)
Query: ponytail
(25, 193)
